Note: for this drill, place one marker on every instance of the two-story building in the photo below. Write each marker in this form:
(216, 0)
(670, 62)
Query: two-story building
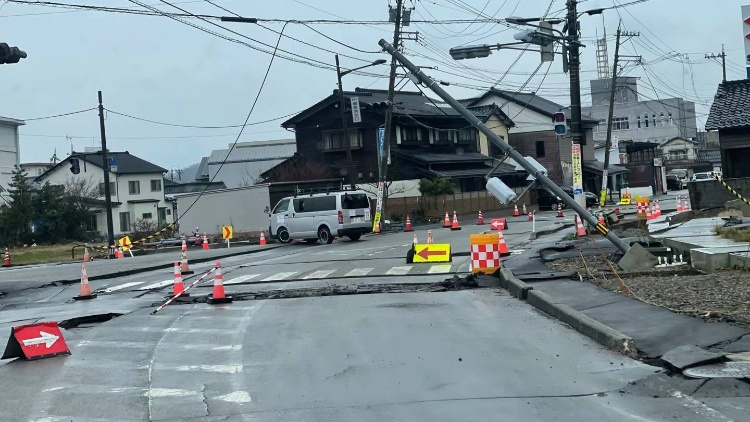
(730, 116)
(429, 139)
(9, 150)
(136, 187)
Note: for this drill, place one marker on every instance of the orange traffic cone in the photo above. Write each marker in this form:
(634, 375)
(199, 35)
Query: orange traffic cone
(685, 204)
(184, 244)
(262, 238)
(205, 242)
(559, 210)
(649, 215)
(85, 286)
(601, 219)
(503, 247)
(407, 227)
(429, 236)
(679, 204)
(515, 211)
(377, 227)
(580, 230)
(6, 258)
(218, 295)
(447, 221)
(86, 256)
(184, 269)
(524, 209)
(178, 287)
(480, 219)
(658, 209)
(415, 240)
(455, 225)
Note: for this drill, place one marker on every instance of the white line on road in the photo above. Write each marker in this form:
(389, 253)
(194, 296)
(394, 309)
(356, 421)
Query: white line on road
(157, 285)
(236, 397)
(700, 408)
(223, 369)
(399, 270)
(319, 274)
(280, 276)
(440, 269)
(359, 272)
(241, 279)
(122, 286)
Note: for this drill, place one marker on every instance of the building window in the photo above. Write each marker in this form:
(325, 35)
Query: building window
(124, 221)
(411, 135)
(620, 123)
(156, 186)
(147, 216)
(134, 187)
(112, 189)
(539, 149)
(444, 136)
(653, 116)
(169, 212)
(671, 122)
(645, 119)
(638, 117)
(333, 140)
(467, 136)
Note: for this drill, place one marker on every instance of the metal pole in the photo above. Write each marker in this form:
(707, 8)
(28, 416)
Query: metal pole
(574, 64)
(723, 64)
(107, 191)
(344, 123)
(507, 149)
(610, 116)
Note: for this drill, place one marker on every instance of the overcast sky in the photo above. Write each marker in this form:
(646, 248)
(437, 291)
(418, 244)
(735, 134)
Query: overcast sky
(162, 70)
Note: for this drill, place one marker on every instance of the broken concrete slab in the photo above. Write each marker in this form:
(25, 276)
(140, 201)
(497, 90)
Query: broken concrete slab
(637, 258)
(722, 387)
(547, 276)
(685, 356)
(741, 345)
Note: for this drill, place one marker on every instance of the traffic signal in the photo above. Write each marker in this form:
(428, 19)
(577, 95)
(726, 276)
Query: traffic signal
(9, 55)
(561, 125)
(75, 167)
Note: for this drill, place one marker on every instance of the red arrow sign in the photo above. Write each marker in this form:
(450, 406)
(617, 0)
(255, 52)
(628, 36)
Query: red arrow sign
(426, 253)
(36, 341)
(747, 21)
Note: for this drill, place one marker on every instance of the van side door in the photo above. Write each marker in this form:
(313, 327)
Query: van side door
(302, 220)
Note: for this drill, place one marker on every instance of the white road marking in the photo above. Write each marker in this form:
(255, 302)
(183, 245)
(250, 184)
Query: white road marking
(236, 397)
(235, 347)
(121, 286)
(280, 276)
(170, 392)
(117, 344)
(224, 369)
(319, 274)
(440, 269)
(157, 285)
(358, 272)
(241, 279)
(700, 408)
(399, 270)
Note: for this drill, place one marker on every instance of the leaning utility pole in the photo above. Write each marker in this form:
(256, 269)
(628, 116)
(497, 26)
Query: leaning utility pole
(608, 143)
(107, 192)
(723, 56)
(576, 129)
(385, 149)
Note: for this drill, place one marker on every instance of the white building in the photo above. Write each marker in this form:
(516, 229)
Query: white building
(34, 170)
(136, 186)
(245, 163)
(9, 150)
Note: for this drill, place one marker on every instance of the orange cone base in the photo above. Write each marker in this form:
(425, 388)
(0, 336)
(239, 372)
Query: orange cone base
(455, 228)
(79, 297)
(188, 272)
(409, 229)
(216, 301)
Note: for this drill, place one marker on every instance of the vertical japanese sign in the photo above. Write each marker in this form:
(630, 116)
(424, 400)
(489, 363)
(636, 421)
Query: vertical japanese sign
(746, 32)
(577, 174)
(356, 114)
(381, 184)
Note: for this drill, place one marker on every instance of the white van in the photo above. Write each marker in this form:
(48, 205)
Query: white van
(321, 217)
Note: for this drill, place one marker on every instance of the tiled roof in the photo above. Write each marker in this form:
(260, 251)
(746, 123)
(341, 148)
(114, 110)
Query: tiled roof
(598, 166)
(430, 157)
(281, 150)
(731, 106)
(126, 164)
(710, 156)
(529, 100)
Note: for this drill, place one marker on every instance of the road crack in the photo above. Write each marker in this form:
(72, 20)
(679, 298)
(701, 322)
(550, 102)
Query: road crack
(204, 399)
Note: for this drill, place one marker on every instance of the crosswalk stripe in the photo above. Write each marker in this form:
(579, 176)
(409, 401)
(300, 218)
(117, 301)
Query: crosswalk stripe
(122, 286)
(399, 270)
(157, 285)
(279, 276)
(440, 269)
(358, 272)
(319, 274)
(241, 279)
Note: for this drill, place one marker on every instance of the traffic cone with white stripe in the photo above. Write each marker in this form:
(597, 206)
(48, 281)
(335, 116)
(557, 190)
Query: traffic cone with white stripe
(447, 221)
(6, 258)
(407, 227)
(679, 204)
(184, 269)
(515, 210)
(531, 215)
(503, 247)
(178, 286)
(580, 230)
(559, 210)
(218, 295)
(85, 286)
(262, 238)
(524, 209)
(658, 209)
(184, 244)
(685, 204)
(205, 242)
(480, 219)
(86, 256)
(455, 225)
(429, 236)
(649, 215)
(415, 240)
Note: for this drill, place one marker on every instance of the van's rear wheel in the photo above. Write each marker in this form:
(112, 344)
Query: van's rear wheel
(355, 236)
(283, 235)
(324, 235)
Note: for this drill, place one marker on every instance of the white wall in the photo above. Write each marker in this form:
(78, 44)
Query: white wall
(614, 155)
(9, 155)
(525, 120)
(244, 209)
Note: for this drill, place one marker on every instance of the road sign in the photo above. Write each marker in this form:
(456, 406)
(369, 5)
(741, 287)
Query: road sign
(381, 141)
(36, 341)
(498, 224)
(356, 115)
(432, 252)
(125, 243)
(113, 164)
(227, 232)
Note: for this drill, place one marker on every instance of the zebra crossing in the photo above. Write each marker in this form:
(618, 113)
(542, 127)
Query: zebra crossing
(317, 274)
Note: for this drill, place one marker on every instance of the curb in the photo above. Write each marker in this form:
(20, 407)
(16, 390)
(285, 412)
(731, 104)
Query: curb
(602, 334)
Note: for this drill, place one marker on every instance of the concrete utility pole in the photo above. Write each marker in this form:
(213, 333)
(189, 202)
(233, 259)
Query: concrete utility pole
(574, 66)
(608, 143)
(107, 192)
(723, 56)
(345, 128)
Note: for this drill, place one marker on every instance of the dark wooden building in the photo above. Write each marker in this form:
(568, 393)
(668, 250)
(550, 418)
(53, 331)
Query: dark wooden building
(730, 116)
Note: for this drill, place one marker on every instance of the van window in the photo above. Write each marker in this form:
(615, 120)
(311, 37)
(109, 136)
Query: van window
(315, 204)
(282, 206)
(355, 201)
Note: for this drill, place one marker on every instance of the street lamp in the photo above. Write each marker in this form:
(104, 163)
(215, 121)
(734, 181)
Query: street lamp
(345, 128)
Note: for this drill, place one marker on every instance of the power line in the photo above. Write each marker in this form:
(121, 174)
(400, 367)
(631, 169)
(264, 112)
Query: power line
(200, 127)
(59, 115)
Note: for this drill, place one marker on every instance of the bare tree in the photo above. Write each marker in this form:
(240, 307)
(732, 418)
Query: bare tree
(83, 193)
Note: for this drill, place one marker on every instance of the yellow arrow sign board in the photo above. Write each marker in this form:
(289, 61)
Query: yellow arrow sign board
(227, 232)
(125, 243)
(432, 252)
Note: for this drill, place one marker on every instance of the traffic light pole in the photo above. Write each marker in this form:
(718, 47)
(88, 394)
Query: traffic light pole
(576, 128)
(107, 191)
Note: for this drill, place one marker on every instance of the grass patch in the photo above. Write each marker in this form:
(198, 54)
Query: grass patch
(738, 235)
(45, 254)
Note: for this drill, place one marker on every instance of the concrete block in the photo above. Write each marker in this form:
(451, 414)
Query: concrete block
(585, 325)
(513, 285)
(739, 260)
(708, 260)
(637, 258)
(688, 355)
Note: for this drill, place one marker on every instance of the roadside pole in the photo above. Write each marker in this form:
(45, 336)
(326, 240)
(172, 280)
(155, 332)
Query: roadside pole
(610, 114)
(107, 191)
(576, 128)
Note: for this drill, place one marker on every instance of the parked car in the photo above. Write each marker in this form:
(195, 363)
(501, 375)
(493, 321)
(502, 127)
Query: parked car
(700, 177)
(546, 200)
(674, 182)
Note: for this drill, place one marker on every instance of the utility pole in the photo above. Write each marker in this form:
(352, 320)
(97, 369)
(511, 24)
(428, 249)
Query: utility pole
(345, 127)
(574, 66)
(107, 192)
(383, 165)
(610, 114)
(723, 56)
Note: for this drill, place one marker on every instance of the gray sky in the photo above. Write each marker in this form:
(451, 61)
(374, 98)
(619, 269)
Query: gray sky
(163, 70)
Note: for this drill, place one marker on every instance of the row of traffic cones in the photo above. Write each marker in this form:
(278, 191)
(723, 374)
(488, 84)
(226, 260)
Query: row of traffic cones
(517, 213)
(447, 222)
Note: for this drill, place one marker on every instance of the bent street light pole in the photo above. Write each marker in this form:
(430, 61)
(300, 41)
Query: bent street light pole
(497, 140)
